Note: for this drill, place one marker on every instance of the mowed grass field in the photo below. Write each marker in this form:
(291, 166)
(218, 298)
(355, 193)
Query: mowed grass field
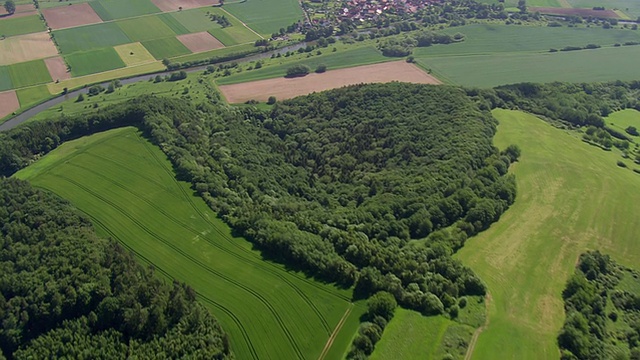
(571, 197)
(493, 55)
(5, 79)
(22, 25)
(266, 16)
(128, 188)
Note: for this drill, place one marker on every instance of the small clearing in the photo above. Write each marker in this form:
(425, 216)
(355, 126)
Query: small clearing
(286, 88)
(57, 68)
(71, 16)
(26, 47)
(175, 5)
(199, 42)
(9, 102)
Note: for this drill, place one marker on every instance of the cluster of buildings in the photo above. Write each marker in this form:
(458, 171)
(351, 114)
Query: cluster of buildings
(361, 10)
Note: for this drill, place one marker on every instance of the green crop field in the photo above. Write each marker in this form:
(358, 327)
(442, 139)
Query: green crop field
(571, 197)
(173, 23)
(128, 188)
(165, 48)
(343, 59)
(121, 9)
(90, 37)
(145, 28)
(95, 61)
(32, 95)
(484, 39)
(620, 120)
(235, 34)
(29, 73)
(5, 79)
(266, 16)
(606, 64)
(194, 20)
(21, 25)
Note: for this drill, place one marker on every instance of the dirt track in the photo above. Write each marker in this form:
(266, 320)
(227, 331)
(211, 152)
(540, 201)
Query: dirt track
(286, 88)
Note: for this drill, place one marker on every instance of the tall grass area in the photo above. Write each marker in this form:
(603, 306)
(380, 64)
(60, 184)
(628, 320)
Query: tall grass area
(128, 188)
(571, 197)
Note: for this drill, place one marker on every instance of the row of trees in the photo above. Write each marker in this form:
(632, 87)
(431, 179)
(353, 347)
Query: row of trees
(66, 293)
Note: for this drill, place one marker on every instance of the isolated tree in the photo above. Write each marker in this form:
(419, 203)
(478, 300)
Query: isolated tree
(271, 100)
(10, 6)
(321, 68)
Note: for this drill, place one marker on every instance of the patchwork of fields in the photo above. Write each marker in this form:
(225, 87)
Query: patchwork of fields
(91, 37)
(127, 187)
(571, 197)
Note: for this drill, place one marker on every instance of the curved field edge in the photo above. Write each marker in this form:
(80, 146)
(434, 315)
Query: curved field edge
(571, 197)
(127, 187)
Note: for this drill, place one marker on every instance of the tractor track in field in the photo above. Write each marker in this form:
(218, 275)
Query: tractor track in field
(197, 262)
(205, 298)
(476, 334)
(335, 332)
(225, 236)
(188, 228)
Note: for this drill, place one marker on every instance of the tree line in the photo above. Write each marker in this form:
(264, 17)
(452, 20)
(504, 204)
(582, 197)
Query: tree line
(67, 293)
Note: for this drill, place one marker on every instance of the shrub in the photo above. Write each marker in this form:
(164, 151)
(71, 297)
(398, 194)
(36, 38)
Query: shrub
(271, 100)
(298, 70)
(621, 164)
(80, 98)
(321, 68)
(631, 130)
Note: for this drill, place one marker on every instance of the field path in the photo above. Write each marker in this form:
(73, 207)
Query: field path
(327, 346)
(476, 334)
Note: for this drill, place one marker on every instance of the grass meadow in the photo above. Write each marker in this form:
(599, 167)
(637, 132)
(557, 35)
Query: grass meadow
(90, 37)
(29, 73)
(165, 48)
(194, 20)
(571, 197)
(214, 53)
(127, 187)
(175, 25)
(21, 25)
(235, 34)
(121, 9)
(278, 67)
(95, 61)
(620, 120)
(266, 16)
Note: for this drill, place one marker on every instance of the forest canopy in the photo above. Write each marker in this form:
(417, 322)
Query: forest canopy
(67, 293)
(372, 185)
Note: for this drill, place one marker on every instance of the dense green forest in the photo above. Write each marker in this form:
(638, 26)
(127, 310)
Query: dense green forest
(371, 185)
(602, 303)
(335, 184)
(66, 293)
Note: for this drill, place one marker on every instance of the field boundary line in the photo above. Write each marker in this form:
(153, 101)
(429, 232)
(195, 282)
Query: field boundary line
(241, 22)
(476, 334)
(337, 329)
